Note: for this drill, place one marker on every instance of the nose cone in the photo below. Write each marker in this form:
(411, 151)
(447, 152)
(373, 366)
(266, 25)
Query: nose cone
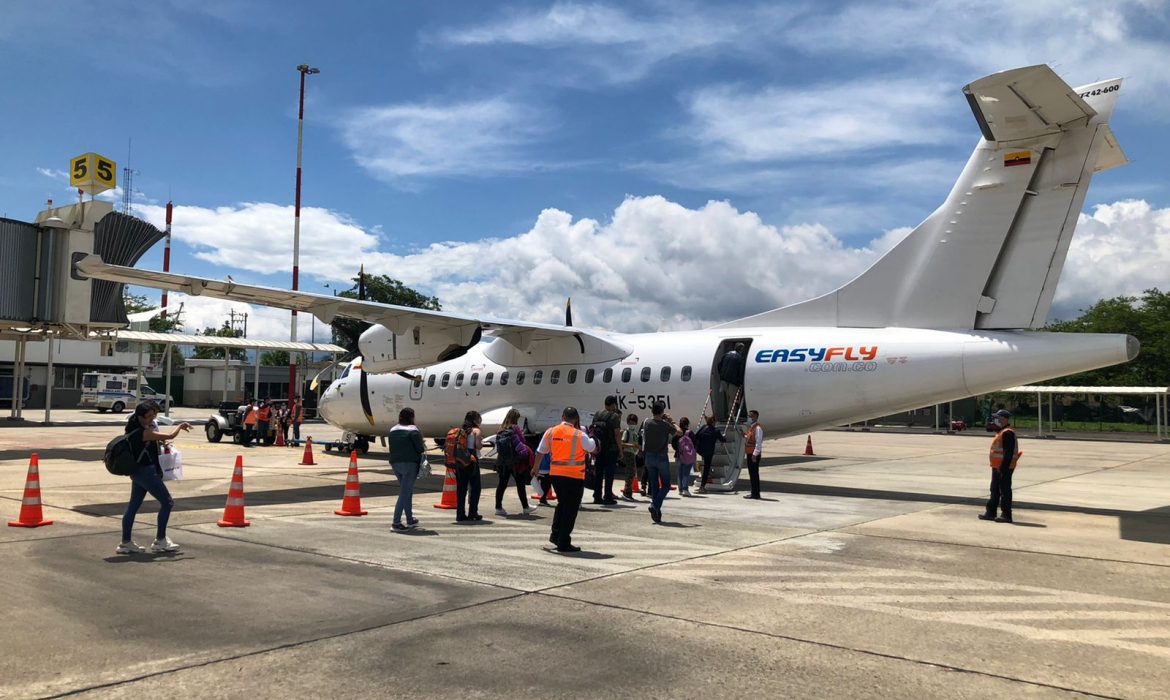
(327, 404)
(1132, 347)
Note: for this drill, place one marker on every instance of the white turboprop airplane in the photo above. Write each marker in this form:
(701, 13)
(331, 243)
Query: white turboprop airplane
(943, 315)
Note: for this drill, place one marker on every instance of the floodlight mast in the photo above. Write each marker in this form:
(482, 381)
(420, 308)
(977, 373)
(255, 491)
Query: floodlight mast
(304, 70)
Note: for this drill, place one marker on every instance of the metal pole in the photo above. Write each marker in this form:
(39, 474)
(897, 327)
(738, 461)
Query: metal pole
(225, 374)
(141, 378)
(304, 70)
(1039, 416)
(936, 411)
(256, 376)
(167, 387)
(49, 384)
(167, 268)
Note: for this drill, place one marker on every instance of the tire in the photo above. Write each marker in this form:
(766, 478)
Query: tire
(214, 434)
(118, 407)
(101, 410)
(362, 445)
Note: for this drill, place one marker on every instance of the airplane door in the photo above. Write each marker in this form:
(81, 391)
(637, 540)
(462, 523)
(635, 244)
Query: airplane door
(416, 388)
(722, 405)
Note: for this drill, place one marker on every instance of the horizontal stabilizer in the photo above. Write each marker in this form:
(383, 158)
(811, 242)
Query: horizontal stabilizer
(1024, 103)
(1110, 155)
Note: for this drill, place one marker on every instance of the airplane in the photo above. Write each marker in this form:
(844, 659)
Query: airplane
(947, 313)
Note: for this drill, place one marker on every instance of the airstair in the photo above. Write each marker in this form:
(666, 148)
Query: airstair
(728, 461)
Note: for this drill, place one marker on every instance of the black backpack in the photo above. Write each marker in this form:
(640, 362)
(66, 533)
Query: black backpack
(505, 450)
(600, 431)
(119, 457)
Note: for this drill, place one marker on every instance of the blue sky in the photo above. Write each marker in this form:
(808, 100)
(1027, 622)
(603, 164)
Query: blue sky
(668, 164)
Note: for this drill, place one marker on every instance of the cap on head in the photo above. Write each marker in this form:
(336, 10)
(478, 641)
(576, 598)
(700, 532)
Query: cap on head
(1003, 413)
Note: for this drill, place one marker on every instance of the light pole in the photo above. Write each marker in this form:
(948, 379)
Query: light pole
(304, 70)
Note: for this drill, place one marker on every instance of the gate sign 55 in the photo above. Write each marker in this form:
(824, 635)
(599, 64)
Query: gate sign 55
(92, 173)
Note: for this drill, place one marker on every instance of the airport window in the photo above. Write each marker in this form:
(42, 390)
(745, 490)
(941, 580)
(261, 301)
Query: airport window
(626, 374)
(572, 379)
(519, 377)
(446, 380)
(665, 374)
(646, 371)
(504, 379)
(487, 379)
(686, 373)
(537, 376)
(66, 377)
(607, 375)
(588, 376)
(458, 379)
(474, 378)
(431, 381)
(554, 376)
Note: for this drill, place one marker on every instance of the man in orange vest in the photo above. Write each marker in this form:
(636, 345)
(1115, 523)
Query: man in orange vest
(752, 448)
(249, 422)
(1003, 458)
(567, 444)
(262, 415)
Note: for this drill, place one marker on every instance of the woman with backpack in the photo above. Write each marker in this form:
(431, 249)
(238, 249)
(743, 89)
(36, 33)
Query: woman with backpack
(142, 432)
(513, 462)
(467, 483)
(684, 452)
(406, 456)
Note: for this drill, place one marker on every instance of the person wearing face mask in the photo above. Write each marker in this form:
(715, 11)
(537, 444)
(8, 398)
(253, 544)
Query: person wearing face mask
(752, 444)
(467, 482)
(1003, 458)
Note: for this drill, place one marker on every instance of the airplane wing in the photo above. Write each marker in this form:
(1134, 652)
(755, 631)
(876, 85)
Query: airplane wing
(524, 343)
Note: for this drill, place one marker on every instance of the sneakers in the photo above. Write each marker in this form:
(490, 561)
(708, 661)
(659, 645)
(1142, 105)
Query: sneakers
(568, 548)
(655, 514)
(685, 493)
(413, 522)
(130, 547)
(628, 496)
(163, 545)
(544, 502)
(399, 527)
(984, 516)
(609, 502)
(702, 489)
(530, 510)
(501, 512)
(1003, 520)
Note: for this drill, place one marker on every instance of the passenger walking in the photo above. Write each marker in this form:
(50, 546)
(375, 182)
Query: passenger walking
(607, 432)
(567, 445)
(467, 480)
(406, 456)
(657, 432)
(684, 452)
(282, 421)
(705, 440)
(144, 439)
(752, 448)
(513, 463)
(630, 455)
(298, 417)
(543, 478)
(731, 367)
(1003, 458)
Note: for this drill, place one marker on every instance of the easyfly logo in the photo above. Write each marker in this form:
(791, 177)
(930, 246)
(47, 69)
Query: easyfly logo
(848, 354)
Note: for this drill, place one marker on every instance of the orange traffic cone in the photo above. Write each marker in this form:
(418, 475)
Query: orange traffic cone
(808, 446)
(280, 438)
(233, 512)
(635, 487)
(30, 505)
(351, 501)
(307, 460)
(447, 502)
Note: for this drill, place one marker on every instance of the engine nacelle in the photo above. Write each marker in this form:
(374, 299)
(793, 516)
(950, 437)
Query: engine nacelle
(383, 350)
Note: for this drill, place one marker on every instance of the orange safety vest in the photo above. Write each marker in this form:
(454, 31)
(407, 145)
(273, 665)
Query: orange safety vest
(298, 414)
(749, 443)
(250, 419)
(262, 415)
(996, 457)
(568, 457)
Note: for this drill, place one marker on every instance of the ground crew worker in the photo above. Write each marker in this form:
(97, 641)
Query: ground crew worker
(298, 417)
(249, 423)
(752, 447)
(1003, 458)
(263, 414)
(567, 444)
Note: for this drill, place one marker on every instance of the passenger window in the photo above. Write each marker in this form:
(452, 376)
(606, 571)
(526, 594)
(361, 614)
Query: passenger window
(645, 374)
(519, 377)
(431, 381)
(588, 376)
(626, 374)
(487, 380)
(504, 379)
(686, 373)
(665, 374)
(607, 375)
(459, 379)
(474, 379)
(554, 376)
(572, 376)
(446, 380)
(537, 376)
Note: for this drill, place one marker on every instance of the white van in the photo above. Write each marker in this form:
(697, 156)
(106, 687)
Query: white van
(114, 392)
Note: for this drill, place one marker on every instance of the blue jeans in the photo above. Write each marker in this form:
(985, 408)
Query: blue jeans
(684, 475)
(146, 480)
(406, 472)
(658, 474)
(296, 431)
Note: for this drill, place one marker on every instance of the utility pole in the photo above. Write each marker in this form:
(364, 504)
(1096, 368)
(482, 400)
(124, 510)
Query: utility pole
(304, 70)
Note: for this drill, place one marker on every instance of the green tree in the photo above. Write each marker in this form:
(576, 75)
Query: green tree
(1147, 318)
(382, 289)
(212, 353)
(275, 358)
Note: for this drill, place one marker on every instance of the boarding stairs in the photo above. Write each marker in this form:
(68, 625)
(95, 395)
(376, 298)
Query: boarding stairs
(728, 461)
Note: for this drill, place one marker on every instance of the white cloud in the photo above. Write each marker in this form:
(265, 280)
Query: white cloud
(474, 138)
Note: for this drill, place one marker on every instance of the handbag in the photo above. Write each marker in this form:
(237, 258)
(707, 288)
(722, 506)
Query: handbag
(171, 461)
(424, 468)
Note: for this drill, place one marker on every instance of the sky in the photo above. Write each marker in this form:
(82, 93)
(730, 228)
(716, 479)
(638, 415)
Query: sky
(667, 165)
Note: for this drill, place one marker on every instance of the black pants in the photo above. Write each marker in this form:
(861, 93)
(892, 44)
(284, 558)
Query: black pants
(753, 467)
(1001, 493)
(707, 459)
(467, 478)
(507, 474)
(606, 468)
(569, 493)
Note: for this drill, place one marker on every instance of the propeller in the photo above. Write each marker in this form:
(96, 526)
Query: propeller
(363, 381)
(569, 311)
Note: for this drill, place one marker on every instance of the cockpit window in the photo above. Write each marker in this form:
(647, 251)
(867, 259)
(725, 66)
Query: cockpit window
(345, 372)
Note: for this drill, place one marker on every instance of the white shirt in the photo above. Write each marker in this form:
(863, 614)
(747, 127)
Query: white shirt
(758, 433)
(587, 442)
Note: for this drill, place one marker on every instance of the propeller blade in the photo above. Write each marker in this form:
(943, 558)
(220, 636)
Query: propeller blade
(569, 311)
(364, 389)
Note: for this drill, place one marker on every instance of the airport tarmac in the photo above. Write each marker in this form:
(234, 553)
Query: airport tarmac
(863, 573)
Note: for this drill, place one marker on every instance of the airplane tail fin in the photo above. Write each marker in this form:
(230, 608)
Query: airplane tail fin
(991, 255)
